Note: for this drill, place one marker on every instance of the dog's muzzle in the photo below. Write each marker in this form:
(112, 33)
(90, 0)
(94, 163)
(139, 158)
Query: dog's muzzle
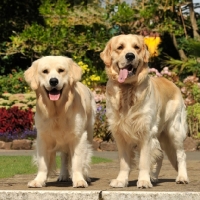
(54, 94)
(129, 70)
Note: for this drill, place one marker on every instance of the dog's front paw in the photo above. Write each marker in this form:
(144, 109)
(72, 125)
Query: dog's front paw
(80, 184)
(182, 180)
(63, 178)
(119, 183)
(36, 184)
(154, 179)
(144, 184)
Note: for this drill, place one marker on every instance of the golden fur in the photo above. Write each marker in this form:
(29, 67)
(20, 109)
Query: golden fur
(65, 114)
(145, 111)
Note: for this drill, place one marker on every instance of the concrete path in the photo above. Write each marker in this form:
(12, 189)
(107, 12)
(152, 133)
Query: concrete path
(113, 155)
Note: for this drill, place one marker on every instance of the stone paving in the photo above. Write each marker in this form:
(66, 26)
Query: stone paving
(102, 173)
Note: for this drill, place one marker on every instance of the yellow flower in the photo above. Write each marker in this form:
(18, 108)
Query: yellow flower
(94, 78)
(84, 82)
(152, 44)
(80, 63)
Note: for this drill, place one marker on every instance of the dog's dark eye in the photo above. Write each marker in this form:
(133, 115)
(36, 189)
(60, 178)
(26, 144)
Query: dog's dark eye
(120, 47)
(136, 47)
(60, 70)
(45, 71)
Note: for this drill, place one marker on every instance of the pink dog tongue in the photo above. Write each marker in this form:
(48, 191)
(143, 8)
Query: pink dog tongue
(54, 95)
(123, 73)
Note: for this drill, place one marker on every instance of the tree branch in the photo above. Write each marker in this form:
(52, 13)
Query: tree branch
(180, 51)
(193, 20)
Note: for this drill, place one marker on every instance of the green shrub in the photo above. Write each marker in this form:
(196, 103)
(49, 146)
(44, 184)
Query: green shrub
(22, 101)
(78, 31)
(101, 126)
(13, 83)
(193, 116)
(91, 76)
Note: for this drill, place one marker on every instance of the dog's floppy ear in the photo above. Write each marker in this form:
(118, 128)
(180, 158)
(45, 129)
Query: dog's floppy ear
(146, 53)
(105, 55)
(75, 71)
(30, 76)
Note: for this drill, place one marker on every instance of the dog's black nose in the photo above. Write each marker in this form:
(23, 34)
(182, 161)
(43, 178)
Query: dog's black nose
(53, 81)
(130, 56)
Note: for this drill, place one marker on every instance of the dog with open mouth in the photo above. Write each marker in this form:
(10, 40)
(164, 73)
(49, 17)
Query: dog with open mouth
(64, 118)
(143, 111)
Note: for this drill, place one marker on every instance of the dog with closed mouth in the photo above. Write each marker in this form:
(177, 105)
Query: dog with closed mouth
(64, 118)
(143, 111)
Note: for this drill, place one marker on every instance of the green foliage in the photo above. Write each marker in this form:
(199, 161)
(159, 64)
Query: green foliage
(78, 31)
(91, 76)
(160, 16)
(14, 15)
(190, 45)
(63, 27)
(13, 83)
(196, 92)
(22, 101)
(184, 67)
(124, 14)
(67, 31)
(101, 126)
(193, 116)
(190, 66)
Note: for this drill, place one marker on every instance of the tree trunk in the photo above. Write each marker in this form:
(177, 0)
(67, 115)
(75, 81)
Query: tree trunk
(193, 20)
(180, 51)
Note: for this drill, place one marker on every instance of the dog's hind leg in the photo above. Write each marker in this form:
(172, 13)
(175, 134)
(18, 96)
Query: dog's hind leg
(64, 172)
(172, 144)
(156, 159)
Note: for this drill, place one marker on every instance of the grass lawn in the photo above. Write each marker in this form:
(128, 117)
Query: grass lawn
(12, 165)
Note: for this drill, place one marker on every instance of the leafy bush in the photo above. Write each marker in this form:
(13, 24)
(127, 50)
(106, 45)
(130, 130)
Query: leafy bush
(13, 83)
(193, 116)
(101, 126)
(190, 89)
(91, 75)
(69, 31)
(15, 121)
(22, 101)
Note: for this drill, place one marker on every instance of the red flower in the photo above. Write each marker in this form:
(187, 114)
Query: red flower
(16, 120)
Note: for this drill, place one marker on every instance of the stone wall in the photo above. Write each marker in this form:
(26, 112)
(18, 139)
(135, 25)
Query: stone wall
(189, 145)
(17, 145)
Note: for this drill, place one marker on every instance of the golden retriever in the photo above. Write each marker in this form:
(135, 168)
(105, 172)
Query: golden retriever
(145, 111)
(65, 114)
